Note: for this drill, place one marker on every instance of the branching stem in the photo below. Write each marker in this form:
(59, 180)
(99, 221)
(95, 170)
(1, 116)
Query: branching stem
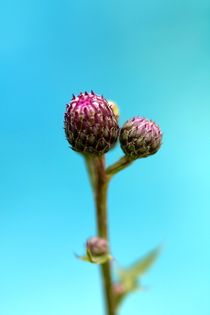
(100, 177)
(118, 166)
(101, 189)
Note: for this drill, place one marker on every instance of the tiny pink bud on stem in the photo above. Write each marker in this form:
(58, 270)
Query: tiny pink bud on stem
(97, 246)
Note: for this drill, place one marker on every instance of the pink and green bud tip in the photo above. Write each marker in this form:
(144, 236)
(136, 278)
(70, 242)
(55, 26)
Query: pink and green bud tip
(119, 292)
(118, 289)
(90, 124)
(97, 246)
(140, 137)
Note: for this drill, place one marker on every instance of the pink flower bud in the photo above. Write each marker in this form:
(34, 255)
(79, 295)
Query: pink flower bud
(140, 137)
(97, 246)
(90, 124)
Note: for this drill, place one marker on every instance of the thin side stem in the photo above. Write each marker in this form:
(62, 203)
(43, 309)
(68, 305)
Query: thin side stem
(118, 166)
(101, 210)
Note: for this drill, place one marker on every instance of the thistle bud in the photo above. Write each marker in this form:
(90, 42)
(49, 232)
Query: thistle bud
(97, 247)
(90, 124)
(140, 137)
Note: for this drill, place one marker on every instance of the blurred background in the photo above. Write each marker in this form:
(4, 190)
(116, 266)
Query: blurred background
(151, 57)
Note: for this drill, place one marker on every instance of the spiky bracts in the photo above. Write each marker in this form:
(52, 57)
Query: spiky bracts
(140, 137)
(90, 124)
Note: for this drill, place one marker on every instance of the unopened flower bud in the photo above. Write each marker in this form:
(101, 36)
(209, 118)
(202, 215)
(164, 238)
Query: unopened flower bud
(97, 246)
(118, 289)
(140, 137)
(90, 124)
(119, 292)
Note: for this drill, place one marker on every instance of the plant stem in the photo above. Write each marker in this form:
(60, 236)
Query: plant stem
(118, 166)
(90, 165)
(101, 189)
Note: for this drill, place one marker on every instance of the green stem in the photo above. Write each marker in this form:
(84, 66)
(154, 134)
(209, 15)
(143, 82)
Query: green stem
(118, 166)
(90, 165)
(101, 189)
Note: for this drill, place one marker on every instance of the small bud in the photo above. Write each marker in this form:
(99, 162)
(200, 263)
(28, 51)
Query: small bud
(97, 251)
(119, 292)
(90, 124)
(118, 289)
(97, 246)
(140, 137)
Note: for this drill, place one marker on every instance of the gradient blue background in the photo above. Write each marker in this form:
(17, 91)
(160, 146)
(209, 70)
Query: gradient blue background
(153, 58)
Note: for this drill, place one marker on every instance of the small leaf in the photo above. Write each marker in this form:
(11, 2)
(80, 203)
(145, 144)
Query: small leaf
(128, 277)
(95, 260)
(141, 266)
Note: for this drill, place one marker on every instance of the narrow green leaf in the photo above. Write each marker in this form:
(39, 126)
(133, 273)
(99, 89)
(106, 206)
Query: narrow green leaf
(129, 277)
(141, 266)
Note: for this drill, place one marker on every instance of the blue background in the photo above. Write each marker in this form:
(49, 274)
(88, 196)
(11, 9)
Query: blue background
(153, 58)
